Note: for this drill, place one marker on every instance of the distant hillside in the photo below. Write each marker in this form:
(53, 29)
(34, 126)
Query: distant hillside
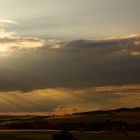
(117, 120)
(137, 109)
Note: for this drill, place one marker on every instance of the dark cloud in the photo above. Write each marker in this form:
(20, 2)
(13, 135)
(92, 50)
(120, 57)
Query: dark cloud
(81, 63)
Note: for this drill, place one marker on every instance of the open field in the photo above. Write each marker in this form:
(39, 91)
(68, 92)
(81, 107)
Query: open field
(122, 124)
(47, 135)
(131, 116)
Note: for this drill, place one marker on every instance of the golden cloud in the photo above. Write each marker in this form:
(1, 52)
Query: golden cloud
(69, 100)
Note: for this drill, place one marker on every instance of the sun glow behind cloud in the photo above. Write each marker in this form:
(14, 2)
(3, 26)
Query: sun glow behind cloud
(11, 40)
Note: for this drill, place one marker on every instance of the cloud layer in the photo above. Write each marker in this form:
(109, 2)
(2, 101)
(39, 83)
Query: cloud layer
(71, 76)
(81, 63)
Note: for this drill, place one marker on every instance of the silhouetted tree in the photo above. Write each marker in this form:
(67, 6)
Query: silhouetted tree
(63, 135)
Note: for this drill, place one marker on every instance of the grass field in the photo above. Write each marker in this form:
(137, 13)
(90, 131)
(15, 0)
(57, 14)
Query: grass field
(131, 117)
(47, 135)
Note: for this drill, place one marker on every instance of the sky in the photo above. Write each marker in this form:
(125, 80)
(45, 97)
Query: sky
(73, 19)
(59, 57)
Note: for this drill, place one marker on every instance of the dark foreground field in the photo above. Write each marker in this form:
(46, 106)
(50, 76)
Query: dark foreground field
(120, 124)
(47, 135)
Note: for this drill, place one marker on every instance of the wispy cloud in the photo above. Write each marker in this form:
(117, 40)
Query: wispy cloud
(7, 21)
